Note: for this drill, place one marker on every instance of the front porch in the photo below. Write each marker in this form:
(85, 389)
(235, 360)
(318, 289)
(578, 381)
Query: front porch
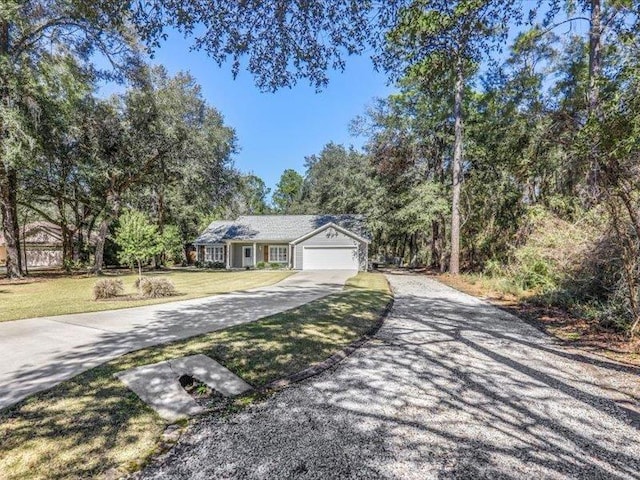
(245, 254)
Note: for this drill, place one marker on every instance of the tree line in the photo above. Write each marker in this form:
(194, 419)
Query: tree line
(509, 114)
(541, 184)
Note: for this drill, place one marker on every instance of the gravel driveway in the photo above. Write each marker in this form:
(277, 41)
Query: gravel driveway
(450, 388)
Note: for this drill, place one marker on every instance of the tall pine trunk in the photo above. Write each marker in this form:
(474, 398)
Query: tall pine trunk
(8, 180)
(595, 57)
(593, 95)
(454, 262)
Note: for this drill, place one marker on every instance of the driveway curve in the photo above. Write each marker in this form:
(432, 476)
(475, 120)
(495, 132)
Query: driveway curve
(39, 353)
(451, 387)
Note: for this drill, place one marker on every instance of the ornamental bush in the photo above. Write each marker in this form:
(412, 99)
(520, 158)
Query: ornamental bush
(107, 288)
(156, 287)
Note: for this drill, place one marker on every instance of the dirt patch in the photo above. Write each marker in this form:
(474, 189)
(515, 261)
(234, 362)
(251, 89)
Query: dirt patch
(202, 393)
(578, 332)
(135, 297)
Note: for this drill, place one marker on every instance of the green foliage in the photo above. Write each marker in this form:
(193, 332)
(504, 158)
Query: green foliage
(288, 192)
(261, 265)
(275, 265)
(184, 143)
(73, 265)
(107, 288)
(337, 180)
(170, 243)
(252, 194)
(137, 238)
(534, 273)
(493, 268)
(280, 43)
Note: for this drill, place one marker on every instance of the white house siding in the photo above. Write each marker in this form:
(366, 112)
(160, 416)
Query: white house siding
(329, 237)
(37, 257)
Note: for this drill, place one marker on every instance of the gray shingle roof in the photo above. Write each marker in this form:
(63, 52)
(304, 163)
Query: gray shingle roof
(276, 227)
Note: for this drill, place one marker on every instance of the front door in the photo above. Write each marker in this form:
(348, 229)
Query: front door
(247, 256)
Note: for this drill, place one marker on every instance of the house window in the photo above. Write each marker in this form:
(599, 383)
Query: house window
(278, 254)
(214, 254)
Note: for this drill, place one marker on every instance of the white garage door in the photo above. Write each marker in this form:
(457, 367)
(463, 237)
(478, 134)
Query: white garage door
(330, 258)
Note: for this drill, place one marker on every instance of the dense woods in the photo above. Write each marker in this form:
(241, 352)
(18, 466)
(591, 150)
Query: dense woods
(511, 147)
(549, 176)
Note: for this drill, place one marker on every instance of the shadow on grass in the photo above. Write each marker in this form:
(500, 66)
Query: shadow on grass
(91, 423)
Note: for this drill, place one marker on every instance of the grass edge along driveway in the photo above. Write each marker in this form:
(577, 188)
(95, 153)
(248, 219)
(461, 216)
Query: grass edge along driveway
(74, 294)
(92, 425)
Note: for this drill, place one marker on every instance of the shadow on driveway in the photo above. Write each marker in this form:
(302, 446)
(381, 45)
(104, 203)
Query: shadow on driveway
(450, 388)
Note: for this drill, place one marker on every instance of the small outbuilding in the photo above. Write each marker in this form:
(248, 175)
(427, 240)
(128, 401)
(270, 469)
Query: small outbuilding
(40, 243)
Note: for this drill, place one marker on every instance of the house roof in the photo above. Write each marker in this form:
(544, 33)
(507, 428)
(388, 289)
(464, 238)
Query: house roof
(42, 233)
(38, 233)
(277, 227)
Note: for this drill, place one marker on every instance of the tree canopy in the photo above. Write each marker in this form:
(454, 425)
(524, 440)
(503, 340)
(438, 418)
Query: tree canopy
(503, 127)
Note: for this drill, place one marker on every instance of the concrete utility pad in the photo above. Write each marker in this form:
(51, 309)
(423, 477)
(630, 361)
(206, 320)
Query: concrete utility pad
(157, 385)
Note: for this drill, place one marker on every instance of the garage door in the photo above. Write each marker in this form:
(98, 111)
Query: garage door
(330, 258)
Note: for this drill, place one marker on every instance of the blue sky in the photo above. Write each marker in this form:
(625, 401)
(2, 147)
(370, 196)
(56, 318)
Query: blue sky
(277, 130)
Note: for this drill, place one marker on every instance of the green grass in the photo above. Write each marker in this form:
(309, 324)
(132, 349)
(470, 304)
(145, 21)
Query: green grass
(38, 297)
(92, 426)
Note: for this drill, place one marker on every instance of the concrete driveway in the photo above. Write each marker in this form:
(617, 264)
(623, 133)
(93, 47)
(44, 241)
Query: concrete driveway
(38, 353)
(450, 388)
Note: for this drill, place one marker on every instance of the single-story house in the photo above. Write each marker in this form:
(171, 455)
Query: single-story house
(300, 242)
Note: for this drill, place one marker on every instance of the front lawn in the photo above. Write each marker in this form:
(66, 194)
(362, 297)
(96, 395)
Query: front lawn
(92, 426)
(39, 297)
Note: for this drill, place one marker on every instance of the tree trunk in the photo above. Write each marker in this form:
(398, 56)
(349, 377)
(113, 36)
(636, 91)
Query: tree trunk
(89, 237)
(435, 232)
(9, 210)
(442, 239)
(113, 204)
(159, 258)
(25, 263)
(595, 57)
(454, 262)
(67, 234)
(593, 94)
(102, 237)
(8, 182)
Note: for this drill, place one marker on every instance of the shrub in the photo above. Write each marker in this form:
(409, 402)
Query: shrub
(156, 287)
(493, 268)
(215, 265)
(107, 288)
(70, 265)
(536, 273)
(261, 265)
(275, 265)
